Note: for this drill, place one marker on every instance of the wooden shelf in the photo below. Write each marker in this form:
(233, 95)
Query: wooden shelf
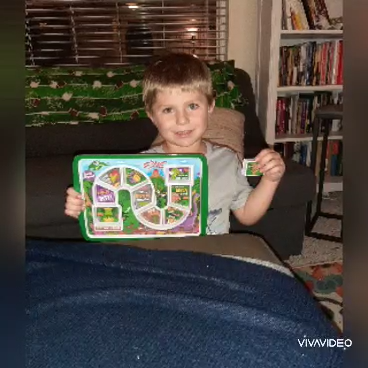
(307, 137)
(309, 89)
(311, 34)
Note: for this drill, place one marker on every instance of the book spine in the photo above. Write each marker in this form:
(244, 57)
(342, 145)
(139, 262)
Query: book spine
(290, 114)
(287, 12)
(296, 152)
(308, 14)
(323, 65)
(316, 66)
(295, 114)
(340, 79)
(303, 117)
(309, 114)
(278, 123)
(335, 62)
(302, 15)
(331, 51)
(340, 159)
(309, 154)
(284, 115)
(311, 62)
(303, 153)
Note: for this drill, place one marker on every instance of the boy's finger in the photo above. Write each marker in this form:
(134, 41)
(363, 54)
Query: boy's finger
(74, 202)
(74, 207)
(71, 213)
(267, 158)
(75, 198)
(263, 153)
(266, 153)
(73, 193)
(276, 170)
(270, 165)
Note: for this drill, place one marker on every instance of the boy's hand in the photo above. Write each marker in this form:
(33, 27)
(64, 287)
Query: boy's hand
(74, 203)
(271, 165)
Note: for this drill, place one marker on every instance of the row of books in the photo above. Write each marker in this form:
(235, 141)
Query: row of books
(301, 153)
(308, 14)
(295, 113)
(311, 64)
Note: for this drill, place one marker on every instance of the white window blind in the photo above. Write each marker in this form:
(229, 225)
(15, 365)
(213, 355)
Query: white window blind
(93, 33)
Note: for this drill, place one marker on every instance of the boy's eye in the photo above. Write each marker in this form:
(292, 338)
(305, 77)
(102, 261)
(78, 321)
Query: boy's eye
(167, 110)
(193, 106)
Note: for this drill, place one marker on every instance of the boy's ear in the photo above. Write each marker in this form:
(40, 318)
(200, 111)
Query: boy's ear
(150, 116)
(211, 107)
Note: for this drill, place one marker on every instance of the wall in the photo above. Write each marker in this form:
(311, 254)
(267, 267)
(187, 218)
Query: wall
(243, 31)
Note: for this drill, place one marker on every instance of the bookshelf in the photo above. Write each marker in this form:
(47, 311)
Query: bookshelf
(311, 33)
(270, 89)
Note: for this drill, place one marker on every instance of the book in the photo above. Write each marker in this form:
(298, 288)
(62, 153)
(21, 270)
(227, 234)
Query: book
(294, 16)
(295, 114)
(311, 64)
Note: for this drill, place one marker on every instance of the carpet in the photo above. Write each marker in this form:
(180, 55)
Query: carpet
(325, 282)
(320, 265)
(317, 251)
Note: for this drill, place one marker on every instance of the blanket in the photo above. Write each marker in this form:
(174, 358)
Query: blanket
(95, 305)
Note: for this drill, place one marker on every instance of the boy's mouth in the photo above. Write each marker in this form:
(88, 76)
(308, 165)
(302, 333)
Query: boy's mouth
(184, 133)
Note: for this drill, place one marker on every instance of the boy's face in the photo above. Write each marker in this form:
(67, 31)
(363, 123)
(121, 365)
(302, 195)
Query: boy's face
(181, 117)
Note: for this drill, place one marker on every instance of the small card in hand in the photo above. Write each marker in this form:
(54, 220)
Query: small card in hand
(250, 168)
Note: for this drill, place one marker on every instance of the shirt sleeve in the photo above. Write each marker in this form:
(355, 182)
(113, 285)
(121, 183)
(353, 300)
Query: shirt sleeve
(242, 187)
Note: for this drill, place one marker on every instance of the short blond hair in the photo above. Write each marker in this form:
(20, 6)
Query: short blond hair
(176, 70)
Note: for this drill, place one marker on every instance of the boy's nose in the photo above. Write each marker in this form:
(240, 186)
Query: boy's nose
(182, 118)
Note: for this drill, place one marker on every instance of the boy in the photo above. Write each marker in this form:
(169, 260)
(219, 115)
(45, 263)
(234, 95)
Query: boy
(178, 97)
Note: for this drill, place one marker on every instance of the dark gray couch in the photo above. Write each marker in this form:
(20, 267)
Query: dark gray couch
(50, 151)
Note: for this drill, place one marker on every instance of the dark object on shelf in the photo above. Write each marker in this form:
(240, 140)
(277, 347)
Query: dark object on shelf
(324, 115)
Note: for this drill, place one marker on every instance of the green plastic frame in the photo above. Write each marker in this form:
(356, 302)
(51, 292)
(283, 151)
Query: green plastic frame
(203, 194)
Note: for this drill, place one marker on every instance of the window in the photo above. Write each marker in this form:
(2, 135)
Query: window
(95, 33)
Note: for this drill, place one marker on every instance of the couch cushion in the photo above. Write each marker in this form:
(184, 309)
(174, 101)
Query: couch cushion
(66, 139)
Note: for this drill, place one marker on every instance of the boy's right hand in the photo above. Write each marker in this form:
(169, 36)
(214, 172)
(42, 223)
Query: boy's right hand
(74, 203)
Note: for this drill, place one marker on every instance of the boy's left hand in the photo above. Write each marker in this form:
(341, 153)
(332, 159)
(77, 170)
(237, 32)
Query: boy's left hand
(271, 164)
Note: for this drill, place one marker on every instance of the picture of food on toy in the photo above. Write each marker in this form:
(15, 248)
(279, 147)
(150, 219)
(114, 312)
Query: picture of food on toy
(112, 177)
(173, 215)
(104, 195)
(180, 194)
(143, 196)
(153, 215)
(251, 168)
(133, 177)
(107, 214)
(178, 174)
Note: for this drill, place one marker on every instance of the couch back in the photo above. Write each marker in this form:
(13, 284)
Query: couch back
(101, 110)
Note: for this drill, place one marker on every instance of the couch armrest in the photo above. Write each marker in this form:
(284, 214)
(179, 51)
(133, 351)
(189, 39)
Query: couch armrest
(298, 186)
